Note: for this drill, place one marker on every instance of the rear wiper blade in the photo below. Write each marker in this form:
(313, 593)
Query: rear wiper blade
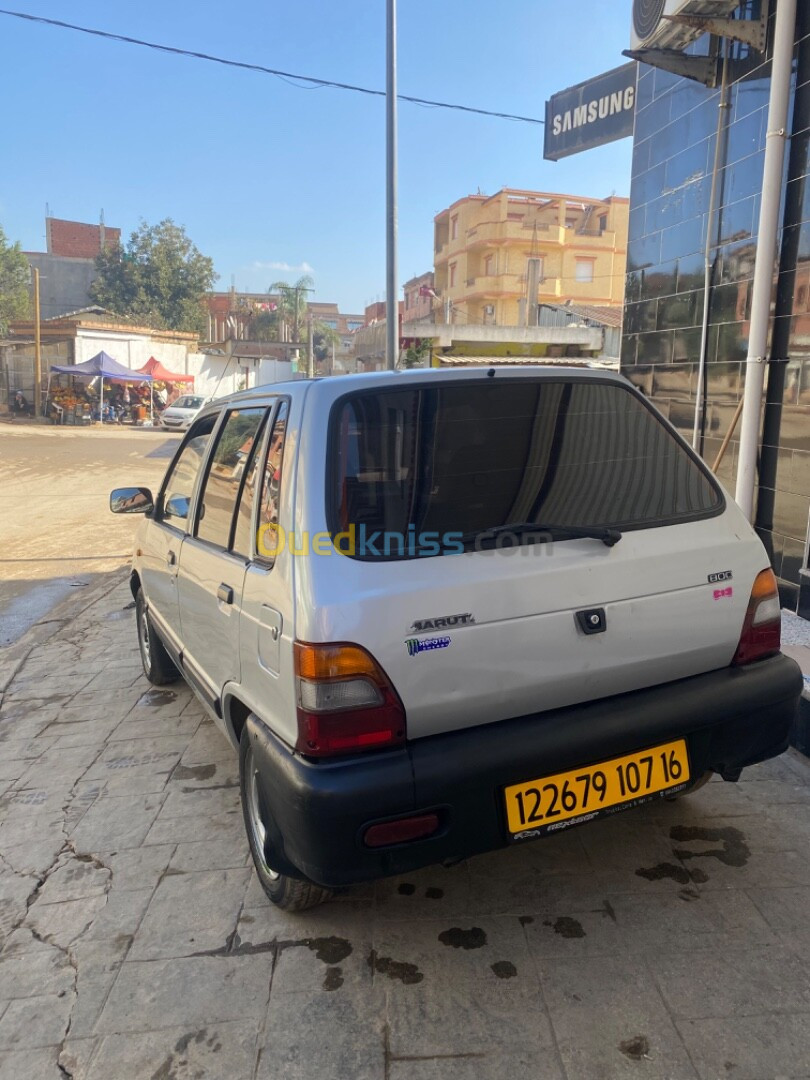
(609, 537)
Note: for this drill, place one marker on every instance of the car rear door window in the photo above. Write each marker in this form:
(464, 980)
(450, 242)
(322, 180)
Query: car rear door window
(268, 518)
(225, 473)
(178, 487)
(459, 458)
(242, 543)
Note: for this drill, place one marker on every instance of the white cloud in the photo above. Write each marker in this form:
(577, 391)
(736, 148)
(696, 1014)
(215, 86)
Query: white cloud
(287, 268)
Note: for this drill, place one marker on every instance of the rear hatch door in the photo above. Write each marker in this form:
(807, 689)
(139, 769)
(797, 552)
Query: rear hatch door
(496, 627)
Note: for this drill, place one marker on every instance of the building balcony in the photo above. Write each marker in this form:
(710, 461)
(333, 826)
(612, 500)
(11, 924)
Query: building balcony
(445, 335)
(489, 285)
(501, 232)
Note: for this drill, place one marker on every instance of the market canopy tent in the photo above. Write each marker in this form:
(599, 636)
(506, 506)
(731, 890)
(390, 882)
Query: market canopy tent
(159, 373)
(100, 366)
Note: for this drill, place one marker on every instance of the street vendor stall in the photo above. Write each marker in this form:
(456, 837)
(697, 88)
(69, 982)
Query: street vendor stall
(167, 384)
(101, 367)
(159, 373)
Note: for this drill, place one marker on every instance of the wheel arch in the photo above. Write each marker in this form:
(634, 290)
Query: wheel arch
(235, 713)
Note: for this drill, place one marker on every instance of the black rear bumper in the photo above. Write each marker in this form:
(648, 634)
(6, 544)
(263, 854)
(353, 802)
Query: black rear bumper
(730, 718)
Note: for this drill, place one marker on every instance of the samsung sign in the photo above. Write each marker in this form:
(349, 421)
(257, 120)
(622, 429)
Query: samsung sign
(591, 113)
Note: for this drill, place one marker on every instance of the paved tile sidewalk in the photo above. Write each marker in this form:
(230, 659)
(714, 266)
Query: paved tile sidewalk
(669, 942)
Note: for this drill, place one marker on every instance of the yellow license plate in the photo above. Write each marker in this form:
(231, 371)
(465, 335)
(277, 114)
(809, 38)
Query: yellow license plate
(553, 802)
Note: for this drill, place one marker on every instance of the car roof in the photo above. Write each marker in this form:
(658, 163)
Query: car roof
(337, 385)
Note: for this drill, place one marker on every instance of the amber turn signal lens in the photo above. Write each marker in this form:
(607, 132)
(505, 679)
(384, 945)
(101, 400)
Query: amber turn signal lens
(765, 585)
(338, 661)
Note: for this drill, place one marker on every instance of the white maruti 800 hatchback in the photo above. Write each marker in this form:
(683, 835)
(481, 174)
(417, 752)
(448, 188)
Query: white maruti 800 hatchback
(440, 613)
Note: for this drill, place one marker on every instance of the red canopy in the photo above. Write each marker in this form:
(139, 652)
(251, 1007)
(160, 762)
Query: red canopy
(159, 373)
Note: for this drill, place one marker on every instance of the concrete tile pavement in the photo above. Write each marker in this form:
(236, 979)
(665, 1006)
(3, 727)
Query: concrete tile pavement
(136, 942)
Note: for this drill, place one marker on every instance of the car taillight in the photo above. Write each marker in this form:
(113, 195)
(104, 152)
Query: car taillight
(346, 702)
(761, 633)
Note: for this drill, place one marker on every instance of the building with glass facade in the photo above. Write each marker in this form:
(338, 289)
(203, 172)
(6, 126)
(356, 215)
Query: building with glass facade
(682, 138)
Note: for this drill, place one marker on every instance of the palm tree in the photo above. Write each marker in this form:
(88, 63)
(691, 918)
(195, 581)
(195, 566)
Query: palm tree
(292, 305)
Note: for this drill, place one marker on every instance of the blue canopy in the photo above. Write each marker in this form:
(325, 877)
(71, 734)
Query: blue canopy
(103, 365)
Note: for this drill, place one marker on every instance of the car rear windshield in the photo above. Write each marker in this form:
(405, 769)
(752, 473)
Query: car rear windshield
(428, 466)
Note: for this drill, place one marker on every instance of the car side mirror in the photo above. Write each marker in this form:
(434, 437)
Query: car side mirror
(131, 500)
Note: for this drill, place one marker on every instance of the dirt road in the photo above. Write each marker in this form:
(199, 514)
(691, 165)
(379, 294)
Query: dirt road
(56, 530)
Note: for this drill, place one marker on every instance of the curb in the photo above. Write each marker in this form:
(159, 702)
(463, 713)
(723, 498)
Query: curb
(14, 656)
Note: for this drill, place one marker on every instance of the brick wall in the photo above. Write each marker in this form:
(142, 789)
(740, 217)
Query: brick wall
(77, 240)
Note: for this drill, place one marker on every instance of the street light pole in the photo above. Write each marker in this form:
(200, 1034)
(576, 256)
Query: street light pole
(392, 293)
(37, 350)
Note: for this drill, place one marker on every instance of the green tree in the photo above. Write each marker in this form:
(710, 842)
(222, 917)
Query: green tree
(323, 339)
(416, 354)
(292, 305)
(160, 278)
(14, 278)
(264, 326)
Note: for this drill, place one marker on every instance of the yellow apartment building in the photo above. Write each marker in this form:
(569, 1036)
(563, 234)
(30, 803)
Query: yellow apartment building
(490, 251)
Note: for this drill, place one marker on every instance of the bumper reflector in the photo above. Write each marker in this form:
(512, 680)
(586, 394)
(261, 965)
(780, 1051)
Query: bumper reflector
(401, 831)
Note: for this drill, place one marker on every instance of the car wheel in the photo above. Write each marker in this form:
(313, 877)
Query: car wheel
(698, 784)
(158, 666)
(285, 892)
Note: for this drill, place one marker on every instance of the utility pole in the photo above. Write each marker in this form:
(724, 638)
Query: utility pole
(311, 357)
(37, 350)
(392, 293)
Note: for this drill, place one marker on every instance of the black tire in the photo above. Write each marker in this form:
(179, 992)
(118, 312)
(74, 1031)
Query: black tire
(288, 893)
(698, 784)
(158, 666)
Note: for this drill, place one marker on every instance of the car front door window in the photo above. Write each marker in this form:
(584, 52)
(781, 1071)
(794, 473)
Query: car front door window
(225, 477)
(179, 485)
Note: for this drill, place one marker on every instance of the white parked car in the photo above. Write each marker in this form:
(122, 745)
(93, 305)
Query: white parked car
(178, 415)
(442, 613)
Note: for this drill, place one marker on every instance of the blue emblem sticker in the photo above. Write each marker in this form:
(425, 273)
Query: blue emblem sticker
(416, 646)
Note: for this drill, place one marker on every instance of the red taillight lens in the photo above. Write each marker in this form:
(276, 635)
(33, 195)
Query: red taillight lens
(762, 628)
(346, 702)
(401, 831)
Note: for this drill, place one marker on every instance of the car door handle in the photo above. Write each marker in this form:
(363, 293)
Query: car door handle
(171, 558)
(225, 594)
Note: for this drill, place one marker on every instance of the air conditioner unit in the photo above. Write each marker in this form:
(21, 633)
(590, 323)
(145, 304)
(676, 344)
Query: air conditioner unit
(651, 29)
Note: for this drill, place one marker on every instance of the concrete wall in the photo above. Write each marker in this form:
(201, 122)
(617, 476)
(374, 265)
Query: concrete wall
(213, 376)
(131, 350)
(216, 375)
(64, 284)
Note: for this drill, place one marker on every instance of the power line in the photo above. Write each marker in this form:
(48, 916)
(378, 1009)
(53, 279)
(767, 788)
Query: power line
(284, 75)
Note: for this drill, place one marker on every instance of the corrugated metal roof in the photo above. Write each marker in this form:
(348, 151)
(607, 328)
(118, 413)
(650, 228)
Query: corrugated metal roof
(607, 316)
(566, 314)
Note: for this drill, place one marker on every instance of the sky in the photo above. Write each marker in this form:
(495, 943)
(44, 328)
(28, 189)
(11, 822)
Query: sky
(273, 180)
